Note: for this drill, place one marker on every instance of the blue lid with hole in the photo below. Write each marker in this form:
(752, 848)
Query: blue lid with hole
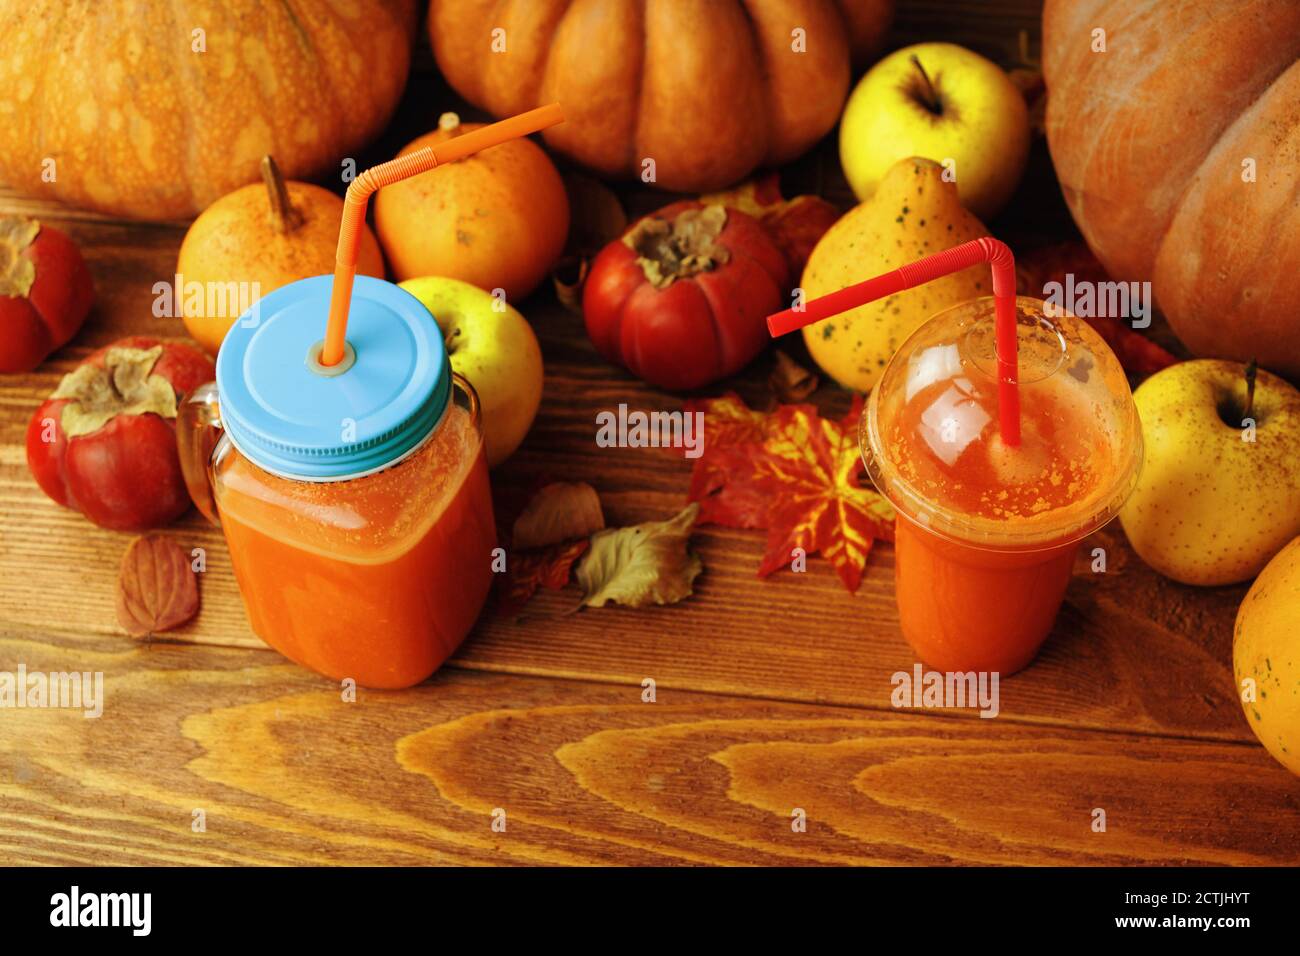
(293, 420)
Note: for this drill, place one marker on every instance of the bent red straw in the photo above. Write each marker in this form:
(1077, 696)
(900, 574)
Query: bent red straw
(985, 249)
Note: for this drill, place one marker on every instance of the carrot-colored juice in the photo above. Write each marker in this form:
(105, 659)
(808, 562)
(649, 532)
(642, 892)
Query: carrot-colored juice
(377, 578)
(964, 607)
(987, 532)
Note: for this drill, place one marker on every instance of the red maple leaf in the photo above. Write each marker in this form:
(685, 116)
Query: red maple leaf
(732, 430)
(804, 482)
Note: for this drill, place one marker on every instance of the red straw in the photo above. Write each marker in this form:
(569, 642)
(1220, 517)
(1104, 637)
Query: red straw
(985, 249)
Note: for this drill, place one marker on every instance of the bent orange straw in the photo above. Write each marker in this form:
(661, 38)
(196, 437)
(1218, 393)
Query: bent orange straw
(985, 249)
(385, 174)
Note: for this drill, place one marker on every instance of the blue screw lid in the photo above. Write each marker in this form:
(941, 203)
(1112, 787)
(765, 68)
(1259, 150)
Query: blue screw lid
(323, 424)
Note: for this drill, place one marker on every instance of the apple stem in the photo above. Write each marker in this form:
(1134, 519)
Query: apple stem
(1251, 371)
(284, 215)
(932, 101)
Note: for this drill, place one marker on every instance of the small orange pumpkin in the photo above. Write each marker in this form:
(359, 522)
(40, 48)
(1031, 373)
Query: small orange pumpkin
(264, 235)
(497, 219)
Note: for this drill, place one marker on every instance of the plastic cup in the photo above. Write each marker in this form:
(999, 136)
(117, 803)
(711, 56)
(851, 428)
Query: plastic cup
(987, 533)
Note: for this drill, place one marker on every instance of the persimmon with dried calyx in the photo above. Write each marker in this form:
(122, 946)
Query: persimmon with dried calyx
(45, 292)
(104, 443)
(254, 240)
(682, 298)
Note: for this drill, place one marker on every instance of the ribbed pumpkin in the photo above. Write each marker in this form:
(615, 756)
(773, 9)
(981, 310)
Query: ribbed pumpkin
(1154, 141)
(152, 109)
(708, 89)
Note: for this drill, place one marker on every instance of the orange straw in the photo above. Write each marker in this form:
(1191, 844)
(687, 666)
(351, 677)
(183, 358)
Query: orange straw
(385, 174)
(986, 249)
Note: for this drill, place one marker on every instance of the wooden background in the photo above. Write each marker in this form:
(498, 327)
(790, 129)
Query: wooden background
(771, 695)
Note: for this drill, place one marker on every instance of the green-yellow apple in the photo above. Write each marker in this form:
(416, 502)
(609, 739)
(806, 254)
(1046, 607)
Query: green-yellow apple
(493, 346)
(1218, 496)
(943, 102)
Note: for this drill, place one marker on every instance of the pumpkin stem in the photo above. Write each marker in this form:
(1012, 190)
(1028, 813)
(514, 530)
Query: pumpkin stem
(929, 97)
(1251, 370)
(284, 216)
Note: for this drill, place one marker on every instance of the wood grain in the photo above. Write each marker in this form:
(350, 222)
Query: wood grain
(286, 771)
(772, 694)
(1131, 651)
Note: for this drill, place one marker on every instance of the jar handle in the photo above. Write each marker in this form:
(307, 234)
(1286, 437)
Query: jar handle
(198, 429)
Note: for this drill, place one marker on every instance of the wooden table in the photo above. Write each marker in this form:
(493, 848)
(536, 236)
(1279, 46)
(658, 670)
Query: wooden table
(772, 696)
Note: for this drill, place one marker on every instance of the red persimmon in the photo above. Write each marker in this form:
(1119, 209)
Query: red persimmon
(45, 292)
(104, 443)
(681, 299)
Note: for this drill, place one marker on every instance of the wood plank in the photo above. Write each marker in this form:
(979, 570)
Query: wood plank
(1132, 651)
(287, 772)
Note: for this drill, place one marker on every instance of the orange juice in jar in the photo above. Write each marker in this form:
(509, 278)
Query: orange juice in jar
(354, 498)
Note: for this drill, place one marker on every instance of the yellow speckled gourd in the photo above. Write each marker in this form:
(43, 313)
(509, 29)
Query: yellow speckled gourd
(152, 109)
(913, 214)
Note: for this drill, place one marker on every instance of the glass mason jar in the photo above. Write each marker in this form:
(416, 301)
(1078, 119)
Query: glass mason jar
(355, 501)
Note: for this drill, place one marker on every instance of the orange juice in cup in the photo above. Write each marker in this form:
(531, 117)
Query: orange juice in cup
(987, 532)
(1002, 434)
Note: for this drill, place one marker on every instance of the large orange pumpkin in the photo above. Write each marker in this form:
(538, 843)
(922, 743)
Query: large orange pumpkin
(1155, 141)
(153, 109)
(708, 89)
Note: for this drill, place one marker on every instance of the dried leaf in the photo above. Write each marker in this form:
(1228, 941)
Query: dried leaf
(1039, 267)
(804, 482)
(526, 571)
(642, 564)
(558, 512)
(568, 277)
(596, 218)
(156, 588)
(790, 382)
(123, 385)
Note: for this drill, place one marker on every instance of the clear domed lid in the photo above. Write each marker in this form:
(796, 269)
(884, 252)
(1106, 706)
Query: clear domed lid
(930, 439)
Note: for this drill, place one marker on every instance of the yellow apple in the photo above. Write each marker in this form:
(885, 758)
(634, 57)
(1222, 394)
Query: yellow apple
(1216, 498)
(493, 346)
(1266, 651)
(943, 102)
